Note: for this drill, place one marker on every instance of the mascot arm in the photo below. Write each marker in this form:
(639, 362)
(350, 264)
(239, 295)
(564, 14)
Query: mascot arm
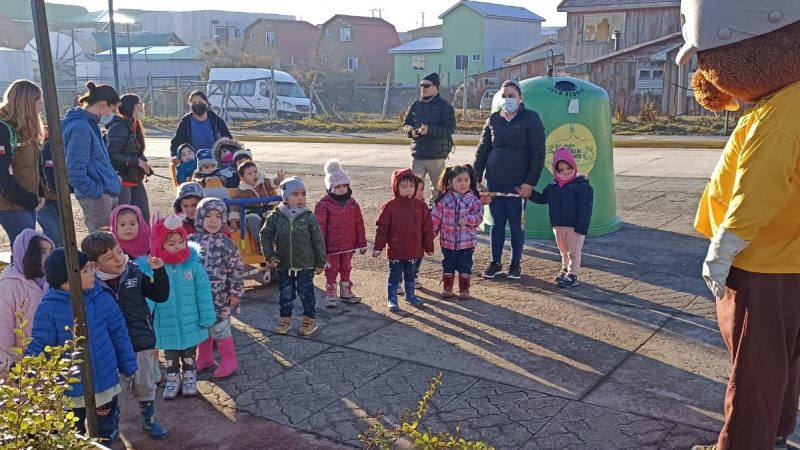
(724, 246)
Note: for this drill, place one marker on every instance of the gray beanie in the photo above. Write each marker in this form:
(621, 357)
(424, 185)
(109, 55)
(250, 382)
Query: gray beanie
(290, 185)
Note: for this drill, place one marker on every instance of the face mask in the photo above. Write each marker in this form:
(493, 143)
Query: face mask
(510, 105)
(199, 109)
(227, 157)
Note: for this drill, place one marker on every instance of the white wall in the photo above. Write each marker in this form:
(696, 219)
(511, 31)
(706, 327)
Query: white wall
(14, 64)
(504, 37)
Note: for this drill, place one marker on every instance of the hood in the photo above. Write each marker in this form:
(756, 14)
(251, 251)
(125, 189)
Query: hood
(188, 189)
(400, 174)
(77, 115)
(564, 154)
(61, 296)
(21, 245)
(207, 205)
(246, 186)
(161, 229)
(229, 143)
(140, 245)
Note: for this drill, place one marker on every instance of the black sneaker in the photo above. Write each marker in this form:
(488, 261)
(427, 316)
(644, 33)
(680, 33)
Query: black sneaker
(514, 271)
(568, 281)
(560, 276)
(493, 270)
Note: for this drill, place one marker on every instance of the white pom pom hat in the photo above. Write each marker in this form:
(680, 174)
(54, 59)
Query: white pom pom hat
(334, 175)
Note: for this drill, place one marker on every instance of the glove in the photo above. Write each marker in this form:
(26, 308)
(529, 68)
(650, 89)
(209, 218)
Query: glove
(724, 246)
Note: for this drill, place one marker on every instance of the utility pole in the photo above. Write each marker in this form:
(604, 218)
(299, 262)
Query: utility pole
(130, 63)
(113, 43)
(422, 24)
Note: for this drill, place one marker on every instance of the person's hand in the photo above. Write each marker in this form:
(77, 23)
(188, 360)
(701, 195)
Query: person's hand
(318, 271)
(376, 253)
(233, 301)
(423, 130)
(362, 250)
(280, 176)
(40, 205)
(415, 133)
(524, 190)
(273, 263)
(235, 224)
(462, 222)
(176, 160)
(155, 262)
(146, 167)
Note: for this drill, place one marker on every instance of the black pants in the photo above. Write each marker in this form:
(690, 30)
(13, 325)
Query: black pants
(177, 358)
(107, 421)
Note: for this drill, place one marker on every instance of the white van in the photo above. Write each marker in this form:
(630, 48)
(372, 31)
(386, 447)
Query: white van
(249, 93)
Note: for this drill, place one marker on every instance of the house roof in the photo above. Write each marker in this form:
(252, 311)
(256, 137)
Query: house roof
(497, 11)
(421, 45)
(359, 20)
(665, 42)
(21, 10)
(138, 39)
(279, 23)
(603, 5)
(155, 53)
(538, 51)
(102, 17)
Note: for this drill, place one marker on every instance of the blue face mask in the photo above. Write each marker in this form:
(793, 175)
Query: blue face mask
(510, 105)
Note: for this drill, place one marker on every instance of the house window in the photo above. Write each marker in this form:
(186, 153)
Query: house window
(252, 35)
(221, 34)
(461, 62)
(476, 56)
(418, 63)
(352, 64)
(237, 32)
(649, 75)
(328, 32)
(601, 27)
(344, 34)
(489, 81)
(270, 38)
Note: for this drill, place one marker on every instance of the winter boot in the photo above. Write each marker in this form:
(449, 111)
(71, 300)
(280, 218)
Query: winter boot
(331, 300)
(346, 292)
(413, 299)
(227, 358)
(172, 386)
(284, 325)
(205, 355)
(392, 288)
(149, 423)
(447, 280)
(189, 383)
(463, 287)
(308, 327)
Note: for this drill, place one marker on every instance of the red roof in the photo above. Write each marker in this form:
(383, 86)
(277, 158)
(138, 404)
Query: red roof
(374, 37)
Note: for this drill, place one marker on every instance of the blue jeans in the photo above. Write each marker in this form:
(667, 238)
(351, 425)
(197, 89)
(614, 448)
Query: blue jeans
(301, 284)
(400, 269)
(506, 210)
(107, 421)
(16, 221)
(457, 261)
(417, 266)
(50, 222)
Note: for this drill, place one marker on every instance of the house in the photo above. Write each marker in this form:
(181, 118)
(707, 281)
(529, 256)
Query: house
(162, 64)
(416, 33)
(289, 42)
(529, 63)
(357, 47)
(476, 36)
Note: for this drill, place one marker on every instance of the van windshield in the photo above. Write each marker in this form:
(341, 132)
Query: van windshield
(287, 89)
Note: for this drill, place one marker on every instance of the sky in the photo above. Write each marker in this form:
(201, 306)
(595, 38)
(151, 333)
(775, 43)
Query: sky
(403, 14)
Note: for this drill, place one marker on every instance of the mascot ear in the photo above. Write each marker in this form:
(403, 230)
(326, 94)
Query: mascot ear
(710, 96)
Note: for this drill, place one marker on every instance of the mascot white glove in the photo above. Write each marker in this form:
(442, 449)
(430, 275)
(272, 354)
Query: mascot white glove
(724, 246)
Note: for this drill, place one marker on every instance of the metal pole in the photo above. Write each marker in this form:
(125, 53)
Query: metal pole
(130, 58)
(74, 63)
(273, 95)
(311, 95)
(386, 95)
(65, 208)
(113, 43)
(464, 97)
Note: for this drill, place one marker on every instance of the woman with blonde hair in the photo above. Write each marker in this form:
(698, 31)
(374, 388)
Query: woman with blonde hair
(22, 189)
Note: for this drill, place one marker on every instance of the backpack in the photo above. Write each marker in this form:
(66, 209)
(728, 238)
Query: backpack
(14, 140)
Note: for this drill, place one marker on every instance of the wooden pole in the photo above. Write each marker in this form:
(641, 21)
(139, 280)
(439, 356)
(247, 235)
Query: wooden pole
(65, 207)
(386, 95)
(311, 95)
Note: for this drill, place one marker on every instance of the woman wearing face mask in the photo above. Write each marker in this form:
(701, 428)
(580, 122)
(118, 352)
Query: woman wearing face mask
(89, 168)
(201, 128)
(126, 149)
(511, 156)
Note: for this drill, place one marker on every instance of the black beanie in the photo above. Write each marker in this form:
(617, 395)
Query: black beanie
(433, 78)
(55, 267)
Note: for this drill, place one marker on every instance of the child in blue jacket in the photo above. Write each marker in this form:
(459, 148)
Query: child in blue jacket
(569, 198)
(111, 346)
(188, 157)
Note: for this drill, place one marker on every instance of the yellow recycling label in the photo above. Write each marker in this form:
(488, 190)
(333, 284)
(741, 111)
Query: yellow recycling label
(578, 139)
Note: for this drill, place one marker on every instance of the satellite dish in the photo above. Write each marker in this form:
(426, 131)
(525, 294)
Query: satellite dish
(61, 46)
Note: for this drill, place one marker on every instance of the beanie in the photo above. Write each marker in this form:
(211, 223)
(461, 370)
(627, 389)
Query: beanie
(433, 78)
(55, 266)
(241, 154)
(290, 185)
(185, 190)
(334, 175)
(204, 156)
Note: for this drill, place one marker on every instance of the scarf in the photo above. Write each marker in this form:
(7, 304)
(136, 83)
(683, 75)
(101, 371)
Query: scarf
(341, 199)
(107, 276)
(291, 211)
(138, 246)
(564, 154)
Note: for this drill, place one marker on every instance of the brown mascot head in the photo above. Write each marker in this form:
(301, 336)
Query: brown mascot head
(745, 50)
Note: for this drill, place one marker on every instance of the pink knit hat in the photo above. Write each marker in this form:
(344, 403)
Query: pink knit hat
(163, 227)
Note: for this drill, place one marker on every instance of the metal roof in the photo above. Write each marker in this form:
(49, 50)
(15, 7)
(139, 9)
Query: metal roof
(21, 10)
(160, 53)
(600, 5)
(138, 39)
(495, 10)
(421, 45)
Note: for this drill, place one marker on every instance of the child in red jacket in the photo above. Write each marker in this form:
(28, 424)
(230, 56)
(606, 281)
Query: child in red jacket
(404, 227)
(342, 225)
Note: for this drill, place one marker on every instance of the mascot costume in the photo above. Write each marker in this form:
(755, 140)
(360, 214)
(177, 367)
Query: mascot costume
(749, 50)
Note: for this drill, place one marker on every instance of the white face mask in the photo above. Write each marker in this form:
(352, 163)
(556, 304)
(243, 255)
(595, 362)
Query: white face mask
(510, 105)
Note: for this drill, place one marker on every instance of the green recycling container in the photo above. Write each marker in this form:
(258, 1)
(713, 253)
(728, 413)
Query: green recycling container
(576, 114)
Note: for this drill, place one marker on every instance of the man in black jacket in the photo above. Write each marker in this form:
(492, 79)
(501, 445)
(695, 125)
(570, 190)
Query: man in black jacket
(430, 123)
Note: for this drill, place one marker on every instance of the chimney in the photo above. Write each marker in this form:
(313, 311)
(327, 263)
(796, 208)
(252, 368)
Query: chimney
(617, 35)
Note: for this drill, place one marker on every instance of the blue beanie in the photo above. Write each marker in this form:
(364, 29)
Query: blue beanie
(205, 156)
(290, 185)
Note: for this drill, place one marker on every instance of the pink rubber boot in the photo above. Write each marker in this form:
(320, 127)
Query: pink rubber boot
(227, 358)
(205, 355)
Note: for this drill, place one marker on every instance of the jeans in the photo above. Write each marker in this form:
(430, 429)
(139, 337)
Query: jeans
(417, 267)
(97, 211)
(50, 222)
(178, 360)
(107, 421)
(16, 221)
(457, 261)
(339, 264)
(506, 210)
(300, 283)
(401, 269)
(136, 196)
(434, 168)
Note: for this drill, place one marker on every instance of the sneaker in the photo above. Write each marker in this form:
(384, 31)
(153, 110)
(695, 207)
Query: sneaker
(781, 443)
(569, 280)
(308, 327)
(189, 383)
(560, 275)
(493, 270)
(331, 299)
(284, 325)
(172, 387)
(514, 271)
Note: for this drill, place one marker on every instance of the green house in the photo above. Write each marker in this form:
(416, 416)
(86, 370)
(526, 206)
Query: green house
(476, 36)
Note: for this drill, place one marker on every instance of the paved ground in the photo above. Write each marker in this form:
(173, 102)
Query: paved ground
(631, 358)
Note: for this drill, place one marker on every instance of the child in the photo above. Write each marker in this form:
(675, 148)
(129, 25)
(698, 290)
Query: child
(241, 157)
(570, 198)
(342, 225)
(188, 164)
(131, 230)
(123, 280)
(181, 322)
(22, 286)
(223, 262)
(420, 195)
(457, 212)
(108, 338)
(189, 195)
(224, 151)
(253, 184)
(404, 227)
(292, 241)
(209, 176)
